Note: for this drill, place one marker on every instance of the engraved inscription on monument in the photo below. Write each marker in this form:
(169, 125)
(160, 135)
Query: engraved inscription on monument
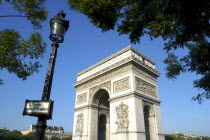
(122, 116)
(82, 98)
(146, 87)
(122, 85)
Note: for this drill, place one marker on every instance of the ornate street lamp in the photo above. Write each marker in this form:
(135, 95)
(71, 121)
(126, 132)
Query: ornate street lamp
(59, 26)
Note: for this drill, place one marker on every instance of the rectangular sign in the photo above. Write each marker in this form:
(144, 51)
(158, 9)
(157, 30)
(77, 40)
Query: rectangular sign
(38, 108)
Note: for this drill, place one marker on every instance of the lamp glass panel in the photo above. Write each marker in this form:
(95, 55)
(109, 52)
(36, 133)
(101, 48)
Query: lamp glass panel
(55, 28)
(58, 31)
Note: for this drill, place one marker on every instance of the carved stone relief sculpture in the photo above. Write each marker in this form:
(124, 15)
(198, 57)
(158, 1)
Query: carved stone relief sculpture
(124, 68)
(82, 98)
(122, 120)
(121, 85)
(144, 73)
(146, 87)
(79, 123)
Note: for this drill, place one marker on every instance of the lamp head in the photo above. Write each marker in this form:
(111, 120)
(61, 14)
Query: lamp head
(58, 26)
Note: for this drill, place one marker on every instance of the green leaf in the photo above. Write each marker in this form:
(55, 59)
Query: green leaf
(19, 56)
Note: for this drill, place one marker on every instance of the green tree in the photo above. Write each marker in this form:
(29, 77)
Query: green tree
(169, 137)
(172, 137)
(29, 136)
(3, 134)
(67, 138)
(181, 23)
(55, 138)
(193, 139)
(18, 55)
(15, 135)
(205, 138)
(33, 10)
(15, 51)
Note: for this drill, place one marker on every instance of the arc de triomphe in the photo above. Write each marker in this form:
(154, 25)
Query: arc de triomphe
(117, 99)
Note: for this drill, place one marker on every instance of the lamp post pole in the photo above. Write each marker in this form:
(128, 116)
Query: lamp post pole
(42, 120)
(59, 26)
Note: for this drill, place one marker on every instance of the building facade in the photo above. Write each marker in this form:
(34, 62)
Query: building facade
(49, 130)
(117, 99)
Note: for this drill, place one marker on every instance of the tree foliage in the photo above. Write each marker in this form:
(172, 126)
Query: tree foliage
(29, 136)
(18, 55)
(14, 50)
(172, 137)
(17, 135)
(55, 138)
(181, 24)
(32, 9)
(61, 138)
(67, 138)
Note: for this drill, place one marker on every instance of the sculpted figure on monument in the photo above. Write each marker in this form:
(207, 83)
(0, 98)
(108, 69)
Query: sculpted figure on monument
(79, 123)
(82, 98)
(122, 116)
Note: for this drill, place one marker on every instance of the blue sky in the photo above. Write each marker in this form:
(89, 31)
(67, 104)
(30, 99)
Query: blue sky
(84, 46)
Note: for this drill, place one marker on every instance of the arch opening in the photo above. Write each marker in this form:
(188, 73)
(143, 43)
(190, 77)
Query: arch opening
(101, 99)
(146, 122)
(102, 127)
(149, 121)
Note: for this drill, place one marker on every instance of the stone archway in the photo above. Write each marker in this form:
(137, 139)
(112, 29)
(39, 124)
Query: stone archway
(101, 100)
(149, 122)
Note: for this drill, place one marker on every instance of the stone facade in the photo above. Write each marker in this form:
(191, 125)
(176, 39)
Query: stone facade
(117, 99)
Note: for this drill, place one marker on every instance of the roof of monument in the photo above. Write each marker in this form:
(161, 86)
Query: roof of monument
(113, 56)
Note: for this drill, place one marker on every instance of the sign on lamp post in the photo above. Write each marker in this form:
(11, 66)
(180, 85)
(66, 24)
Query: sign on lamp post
(38, 108)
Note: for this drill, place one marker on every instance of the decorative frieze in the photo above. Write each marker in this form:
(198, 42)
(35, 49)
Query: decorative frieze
(121, 85)
(104, 72)
(146, 87)
(79, 123)
(116, 72)
(143, 72)
(114, 59)
(82, 98)
(108, 75)
(122, 114)
(104, 65)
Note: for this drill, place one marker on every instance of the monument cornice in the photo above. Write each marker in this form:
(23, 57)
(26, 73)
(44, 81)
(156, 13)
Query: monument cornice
(90, 106)
(126, 61)
(104, 71)
(115, 59)
(100, 79)
(113, 56)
